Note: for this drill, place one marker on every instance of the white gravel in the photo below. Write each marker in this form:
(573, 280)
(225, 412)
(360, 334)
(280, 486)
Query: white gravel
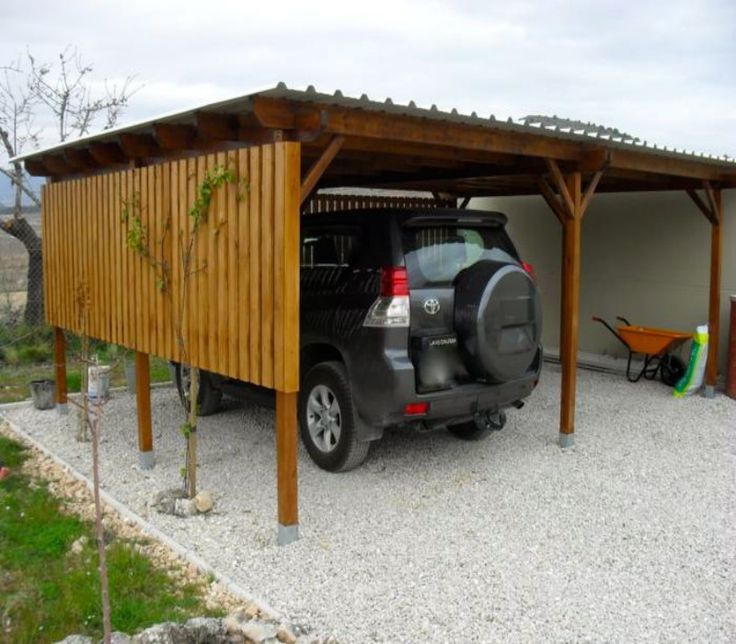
(627, 538)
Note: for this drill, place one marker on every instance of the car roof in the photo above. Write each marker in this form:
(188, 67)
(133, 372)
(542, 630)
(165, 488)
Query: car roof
(414, 215)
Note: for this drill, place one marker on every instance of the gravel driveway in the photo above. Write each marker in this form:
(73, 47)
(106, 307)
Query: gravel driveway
(628, 537)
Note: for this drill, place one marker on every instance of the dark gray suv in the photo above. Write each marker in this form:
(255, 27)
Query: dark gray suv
(424, 318)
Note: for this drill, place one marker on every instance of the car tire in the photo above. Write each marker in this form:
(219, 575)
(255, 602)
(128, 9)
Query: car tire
(327, 419)
(209, 397)
(475, 431)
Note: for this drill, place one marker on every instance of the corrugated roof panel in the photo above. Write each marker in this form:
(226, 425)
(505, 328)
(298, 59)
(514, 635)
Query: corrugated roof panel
(338, 99)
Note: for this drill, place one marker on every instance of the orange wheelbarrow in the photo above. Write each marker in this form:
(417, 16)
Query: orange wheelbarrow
(656, 345)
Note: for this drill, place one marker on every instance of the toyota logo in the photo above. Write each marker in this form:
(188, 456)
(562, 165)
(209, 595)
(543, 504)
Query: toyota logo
(432, 305)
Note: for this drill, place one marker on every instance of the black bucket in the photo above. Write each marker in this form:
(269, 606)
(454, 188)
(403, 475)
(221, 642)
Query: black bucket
(42, 393)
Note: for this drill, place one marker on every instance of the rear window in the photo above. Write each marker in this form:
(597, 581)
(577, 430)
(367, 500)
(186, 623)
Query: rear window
(331, 247)
(436, 254)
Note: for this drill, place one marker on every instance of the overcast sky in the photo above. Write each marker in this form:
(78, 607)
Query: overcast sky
(661, 70)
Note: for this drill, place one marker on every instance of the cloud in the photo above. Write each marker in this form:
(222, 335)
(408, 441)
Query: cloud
(662, 70)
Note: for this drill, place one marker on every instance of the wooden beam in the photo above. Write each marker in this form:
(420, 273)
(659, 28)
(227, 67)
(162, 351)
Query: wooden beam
(80, 159)
(107, 153)
(143, 408)
(286, 456)
(655, 162)
(590, 191)
(214, 125)
(319, 166)
(553, 200)
(138, 146)
(692, 193)
(57, 164)
(570, 313)
(559, 182)
(710, 194)
(61, 393)
(36, 167)
(176, 137)
(714, 305)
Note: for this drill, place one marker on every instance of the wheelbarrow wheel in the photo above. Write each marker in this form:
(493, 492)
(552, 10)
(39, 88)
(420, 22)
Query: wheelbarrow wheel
(671, 370)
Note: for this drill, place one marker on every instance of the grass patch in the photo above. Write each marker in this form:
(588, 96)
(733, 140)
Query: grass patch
(48, 593)
(14, 379)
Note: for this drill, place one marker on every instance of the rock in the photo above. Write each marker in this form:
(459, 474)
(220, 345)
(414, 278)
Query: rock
(252, 611)
(184, 508)
(120, 638)
(258, 632)
(167, 633)
(76, 639)
(79, 545)
(204, 501)
(205, 629)
(165, 501)
(284, 635)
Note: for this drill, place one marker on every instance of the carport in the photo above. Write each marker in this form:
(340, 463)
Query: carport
(241, 311)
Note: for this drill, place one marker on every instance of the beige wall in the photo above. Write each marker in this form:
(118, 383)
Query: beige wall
(645, 256)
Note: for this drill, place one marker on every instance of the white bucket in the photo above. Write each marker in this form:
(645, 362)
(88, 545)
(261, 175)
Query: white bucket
(99, 381)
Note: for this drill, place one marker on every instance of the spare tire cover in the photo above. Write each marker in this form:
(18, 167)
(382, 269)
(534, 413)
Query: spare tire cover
(498, 319)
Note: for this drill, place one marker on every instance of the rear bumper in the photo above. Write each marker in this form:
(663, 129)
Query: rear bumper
(381, 392)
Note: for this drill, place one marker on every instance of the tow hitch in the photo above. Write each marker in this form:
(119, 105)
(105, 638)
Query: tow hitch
(490, 420)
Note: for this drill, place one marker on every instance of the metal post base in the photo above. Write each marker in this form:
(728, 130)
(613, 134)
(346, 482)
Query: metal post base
(287, 534)
(709, 391)
(62, 409)
(567, 440)
(146, 460)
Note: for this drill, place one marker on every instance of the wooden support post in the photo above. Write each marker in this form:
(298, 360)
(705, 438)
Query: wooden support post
(60, 371)
(570, 312)
(143, 407)
(286, 455)
(712, 208)
(714, 306)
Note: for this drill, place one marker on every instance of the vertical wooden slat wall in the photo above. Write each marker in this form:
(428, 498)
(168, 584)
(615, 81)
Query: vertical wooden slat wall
(240, 304)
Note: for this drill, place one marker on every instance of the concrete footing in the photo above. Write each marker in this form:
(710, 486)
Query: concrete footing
(709, 391)
(287, 534)
(146, 460)
(567, 440)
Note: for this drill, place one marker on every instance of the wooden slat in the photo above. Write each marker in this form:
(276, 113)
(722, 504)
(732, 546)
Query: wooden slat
(232, 347)
(244, 252)
(266, 266)
(240, 312)
(255, 265)
(289, 378)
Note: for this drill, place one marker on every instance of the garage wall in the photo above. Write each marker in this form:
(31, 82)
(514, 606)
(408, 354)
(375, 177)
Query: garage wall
(645, 256)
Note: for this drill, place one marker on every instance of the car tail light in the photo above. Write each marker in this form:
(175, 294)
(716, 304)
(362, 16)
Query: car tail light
(416, 409)
(394, 281)
(391, 308)
(530, 270)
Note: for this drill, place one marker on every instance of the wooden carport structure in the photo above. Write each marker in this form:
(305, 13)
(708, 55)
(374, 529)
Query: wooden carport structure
(240, 314)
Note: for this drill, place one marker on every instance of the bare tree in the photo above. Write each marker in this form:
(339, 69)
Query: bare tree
(63, 98)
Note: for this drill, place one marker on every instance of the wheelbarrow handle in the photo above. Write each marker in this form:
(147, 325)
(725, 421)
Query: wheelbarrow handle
(612, 330)
(624, 320)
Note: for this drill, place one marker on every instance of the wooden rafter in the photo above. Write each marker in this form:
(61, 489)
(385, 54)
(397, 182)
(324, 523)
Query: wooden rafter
(318, 168)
